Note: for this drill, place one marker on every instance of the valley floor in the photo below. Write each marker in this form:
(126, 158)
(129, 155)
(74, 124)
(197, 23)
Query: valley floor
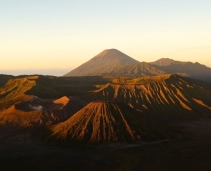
(192, 151)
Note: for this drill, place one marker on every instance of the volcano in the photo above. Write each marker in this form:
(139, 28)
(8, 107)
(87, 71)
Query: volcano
(112, 62)
(101, 122)
(104, 62)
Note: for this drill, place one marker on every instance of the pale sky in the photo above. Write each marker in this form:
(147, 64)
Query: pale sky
(59, 35)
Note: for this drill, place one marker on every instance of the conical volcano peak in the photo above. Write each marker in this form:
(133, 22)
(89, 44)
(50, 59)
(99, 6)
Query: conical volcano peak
(103, 107)
(112, 53)
(100, 122)
(108, 51)
(103, 63)
(165, 59)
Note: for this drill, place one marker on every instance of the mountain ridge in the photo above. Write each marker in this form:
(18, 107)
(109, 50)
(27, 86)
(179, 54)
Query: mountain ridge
(112, 62)
(165, 62)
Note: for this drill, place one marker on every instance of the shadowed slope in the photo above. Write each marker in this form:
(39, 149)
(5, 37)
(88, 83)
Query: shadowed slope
(55, 87)
(4, 78)
(103, 63)
(105, 122)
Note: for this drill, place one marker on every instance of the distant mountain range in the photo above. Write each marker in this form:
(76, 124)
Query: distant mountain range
(112, 62)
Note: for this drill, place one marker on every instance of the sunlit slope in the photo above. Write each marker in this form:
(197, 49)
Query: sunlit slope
(166, 95)
(100, 122)
(14, 91)
(36, 112)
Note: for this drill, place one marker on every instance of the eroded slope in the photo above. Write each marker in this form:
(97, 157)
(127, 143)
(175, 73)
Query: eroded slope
(102, 121)
(166, 96)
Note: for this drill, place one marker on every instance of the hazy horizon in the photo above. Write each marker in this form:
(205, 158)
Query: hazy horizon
(64, 34)
(54, 72)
